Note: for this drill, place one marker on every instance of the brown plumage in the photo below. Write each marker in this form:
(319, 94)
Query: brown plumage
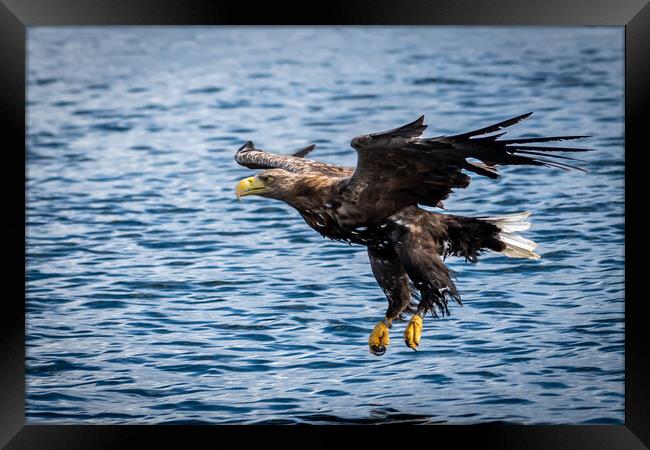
(377, 204)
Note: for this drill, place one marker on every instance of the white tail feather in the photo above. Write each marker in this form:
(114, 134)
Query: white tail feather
(516, 245)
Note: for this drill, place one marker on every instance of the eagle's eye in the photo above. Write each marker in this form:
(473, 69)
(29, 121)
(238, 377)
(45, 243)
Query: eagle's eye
(267, 178)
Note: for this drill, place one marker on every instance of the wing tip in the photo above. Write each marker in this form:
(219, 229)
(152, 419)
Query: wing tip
(410, 130)
(491, 128)
(558, 165)
(248, 144)
(304, 151)
(519, 118)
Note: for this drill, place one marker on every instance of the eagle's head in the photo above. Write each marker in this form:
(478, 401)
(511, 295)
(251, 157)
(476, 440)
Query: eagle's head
(271, 183)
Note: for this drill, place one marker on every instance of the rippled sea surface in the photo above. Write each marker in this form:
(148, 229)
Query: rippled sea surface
(154, 296)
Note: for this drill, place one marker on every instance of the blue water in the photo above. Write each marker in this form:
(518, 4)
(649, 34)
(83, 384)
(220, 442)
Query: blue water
(154, 296)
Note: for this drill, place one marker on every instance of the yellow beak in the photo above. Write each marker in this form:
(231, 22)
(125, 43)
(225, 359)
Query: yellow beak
(249, 186)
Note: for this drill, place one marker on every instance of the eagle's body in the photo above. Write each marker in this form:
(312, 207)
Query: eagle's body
(377, 205)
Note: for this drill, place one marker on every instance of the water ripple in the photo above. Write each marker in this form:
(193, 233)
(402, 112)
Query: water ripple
(153, 296)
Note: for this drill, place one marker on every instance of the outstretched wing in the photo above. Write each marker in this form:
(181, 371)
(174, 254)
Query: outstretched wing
(397, 168)
(254, 158)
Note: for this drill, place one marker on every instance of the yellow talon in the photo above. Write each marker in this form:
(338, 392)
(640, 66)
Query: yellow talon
(413, 332)
(379, 339)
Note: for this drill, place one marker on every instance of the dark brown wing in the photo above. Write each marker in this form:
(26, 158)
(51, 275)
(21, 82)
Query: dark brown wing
(398, 168)
(254, 158)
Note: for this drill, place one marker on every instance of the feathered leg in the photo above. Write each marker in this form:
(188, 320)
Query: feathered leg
(391, 277)
(419, 255)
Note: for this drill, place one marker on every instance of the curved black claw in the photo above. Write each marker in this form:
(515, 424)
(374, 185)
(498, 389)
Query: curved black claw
(377, 350)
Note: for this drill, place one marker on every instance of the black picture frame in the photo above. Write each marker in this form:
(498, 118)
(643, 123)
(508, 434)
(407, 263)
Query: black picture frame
(17, 15)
